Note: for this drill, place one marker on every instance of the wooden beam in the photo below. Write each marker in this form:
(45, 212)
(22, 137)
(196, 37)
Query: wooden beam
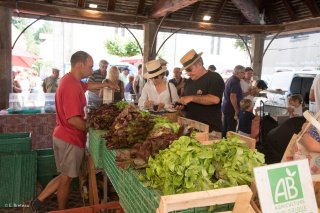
(140, 7)
(111, 5)
(164, 7)
(196, 9)
(271, 14)
(219, 12)
(302, 25)
(73, 13)
(81, 3)
(289, 9)
(49, 1)
(313, 7)
(249, 10)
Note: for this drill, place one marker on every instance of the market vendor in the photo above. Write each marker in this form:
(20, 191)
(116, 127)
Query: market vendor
(202, 93)
(157, 94)
(69, 136)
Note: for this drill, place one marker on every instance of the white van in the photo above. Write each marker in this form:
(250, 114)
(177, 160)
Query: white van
(286, 83)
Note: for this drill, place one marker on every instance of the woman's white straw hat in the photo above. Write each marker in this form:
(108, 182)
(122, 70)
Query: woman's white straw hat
(154, 69)
(189, 58)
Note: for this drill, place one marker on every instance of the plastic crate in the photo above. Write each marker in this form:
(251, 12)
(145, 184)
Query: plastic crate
(111, 207)
(18, 178)
(46, 166)
(96, 145)
(15, 142)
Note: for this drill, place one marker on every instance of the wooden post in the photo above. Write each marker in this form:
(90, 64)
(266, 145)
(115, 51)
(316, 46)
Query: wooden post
(150, 29)
(5, 56)
(257, 55)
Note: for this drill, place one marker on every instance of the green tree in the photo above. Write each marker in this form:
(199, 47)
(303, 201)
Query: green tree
(120, 48)
(240, 45)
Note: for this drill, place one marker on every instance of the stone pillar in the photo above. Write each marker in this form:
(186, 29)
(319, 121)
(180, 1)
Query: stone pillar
(5, 56)
(257, 55)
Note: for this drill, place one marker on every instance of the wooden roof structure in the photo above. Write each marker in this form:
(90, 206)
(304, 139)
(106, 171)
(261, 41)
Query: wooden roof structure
(227, 16)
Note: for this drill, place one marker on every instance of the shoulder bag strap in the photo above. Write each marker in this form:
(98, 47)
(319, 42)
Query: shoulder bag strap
(170, 92)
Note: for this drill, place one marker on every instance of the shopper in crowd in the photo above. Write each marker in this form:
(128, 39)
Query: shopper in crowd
(295, 105)
(202, 93)
(113, 76)
(50, 84)
(16, 87)
(35, 82)
(98, 76)
(212, 68)
(231, 100)
(178, 81)
(245, 117)
(157, 94)
(248, 90)
(124, 76)
(69, 136)
(164, 64)
(138, 82)
(129, 86)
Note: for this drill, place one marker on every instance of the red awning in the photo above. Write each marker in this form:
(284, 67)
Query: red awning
(22, 58)
(133, 59)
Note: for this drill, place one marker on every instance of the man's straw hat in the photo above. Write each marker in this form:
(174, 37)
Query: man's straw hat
(189, 58)
(154, 69)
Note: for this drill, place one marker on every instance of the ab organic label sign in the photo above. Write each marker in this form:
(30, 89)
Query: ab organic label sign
(286, 188)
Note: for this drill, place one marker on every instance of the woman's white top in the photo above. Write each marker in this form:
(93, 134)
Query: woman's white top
(149, 92)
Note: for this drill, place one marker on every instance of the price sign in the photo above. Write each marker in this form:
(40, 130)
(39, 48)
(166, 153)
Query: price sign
(286, 188)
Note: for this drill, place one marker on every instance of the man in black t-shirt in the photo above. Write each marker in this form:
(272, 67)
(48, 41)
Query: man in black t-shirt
(202, 93)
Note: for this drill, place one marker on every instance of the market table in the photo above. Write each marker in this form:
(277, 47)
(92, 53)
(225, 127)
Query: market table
(40, 125)
(133, 196)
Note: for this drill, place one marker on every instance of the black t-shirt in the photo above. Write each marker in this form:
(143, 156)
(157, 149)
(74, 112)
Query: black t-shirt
(210, 83)
(245, 121)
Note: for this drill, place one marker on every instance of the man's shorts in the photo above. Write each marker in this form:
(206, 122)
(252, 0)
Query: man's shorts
(68, 157)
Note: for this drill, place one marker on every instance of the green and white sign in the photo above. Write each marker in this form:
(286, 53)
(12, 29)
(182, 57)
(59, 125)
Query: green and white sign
(286, 188)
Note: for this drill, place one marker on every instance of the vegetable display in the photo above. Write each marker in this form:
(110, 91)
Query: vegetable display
(104, 116)
(188, 166)
(130, 127)
(160, 138)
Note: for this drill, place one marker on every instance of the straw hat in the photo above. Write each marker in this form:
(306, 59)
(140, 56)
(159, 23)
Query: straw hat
(189, 58)
(162, 61)
(154, 69)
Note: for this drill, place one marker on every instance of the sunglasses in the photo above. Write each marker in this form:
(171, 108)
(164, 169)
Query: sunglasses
(189, 69)
(156, 77)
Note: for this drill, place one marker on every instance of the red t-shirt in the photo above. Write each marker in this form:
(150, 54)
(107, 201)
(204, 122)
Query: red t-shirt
(70, 101)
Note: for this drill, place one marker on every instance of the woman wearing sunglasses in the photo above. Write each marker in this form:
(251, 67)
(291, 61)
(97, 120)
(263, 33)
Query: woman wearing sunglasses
(157, 94)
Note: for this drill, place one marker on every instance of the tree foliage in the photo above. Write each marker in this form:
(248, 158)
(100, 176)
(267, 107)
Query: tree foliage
(120, 48)
(240, 45)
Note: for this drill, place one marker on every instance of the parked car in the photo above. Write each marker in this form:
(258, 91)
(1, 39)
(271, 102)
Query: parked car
(286, 83)
(121, 65)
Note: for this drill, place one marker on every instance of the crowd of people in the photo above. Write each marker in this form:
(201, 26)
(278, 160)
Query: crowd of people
(28, 81)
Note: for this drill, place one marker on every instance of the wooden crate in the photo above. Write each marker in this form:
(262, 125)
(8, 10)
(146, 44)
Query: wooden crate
(251, 142)
(240, 195)
(203, 134)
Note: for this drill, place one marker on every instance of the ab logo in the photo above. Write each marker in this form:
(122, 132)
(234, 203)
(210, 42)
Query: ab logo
(285, 184)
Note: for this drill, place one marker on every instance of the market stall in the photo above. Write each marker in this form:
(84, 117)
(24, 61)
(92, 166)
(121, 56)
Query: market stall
(130, 180)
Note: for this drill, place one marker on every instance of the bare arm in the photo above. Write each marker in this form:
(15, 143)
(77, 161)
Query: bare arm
(310, 143)
(78, 123)
(233, 100)
(97, 85)
(203, 99)
(134, 86)
(311, 95)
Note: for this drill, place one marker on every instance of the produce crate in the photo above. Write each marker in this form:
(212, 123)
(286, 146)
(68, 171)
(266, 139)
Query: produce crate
(240, 195)
(15, 142)
(96, 146)
(111, 207)
(18, 178)
(46, 166)
(203, 134)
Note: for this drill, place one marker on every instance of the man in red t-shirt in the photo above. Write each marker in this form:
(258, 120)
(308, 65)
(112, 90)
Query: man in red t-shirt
(69, 136)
